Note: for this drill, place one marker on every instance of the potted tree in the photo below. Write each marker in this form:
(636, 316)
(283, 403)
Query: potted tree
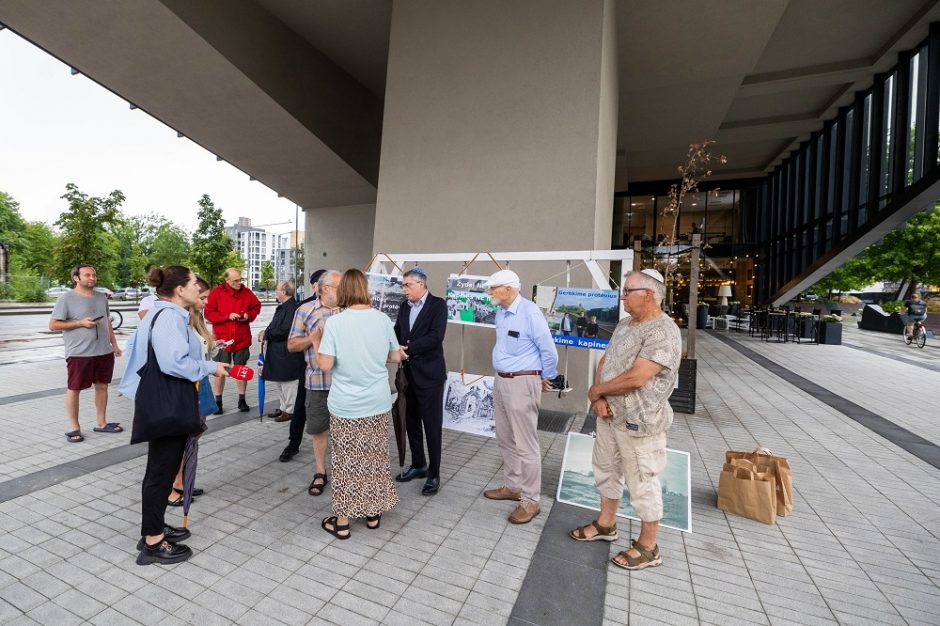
(830, 330)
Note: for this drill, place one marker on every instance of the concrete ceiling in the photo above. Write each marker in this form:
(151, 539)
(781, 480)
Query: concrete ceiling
(758, 77)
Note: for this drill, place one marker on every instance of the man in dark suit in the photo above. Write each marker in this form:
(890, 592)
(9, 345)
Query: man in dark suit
(420, 328)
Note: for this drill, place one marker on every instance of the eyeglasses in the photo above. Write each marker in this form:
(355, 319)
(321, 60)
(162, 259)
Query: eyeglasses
(627, 290)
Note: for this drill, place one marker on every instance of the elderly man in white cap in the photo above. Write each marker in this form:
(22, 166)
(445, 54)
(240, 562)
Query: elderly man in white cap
(525, 360)
(630, 396)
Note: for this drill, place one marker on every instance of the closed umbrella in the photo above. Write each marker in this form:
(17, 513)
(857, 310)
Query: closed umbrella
(399, 408)
(190, 460)
(261, 383)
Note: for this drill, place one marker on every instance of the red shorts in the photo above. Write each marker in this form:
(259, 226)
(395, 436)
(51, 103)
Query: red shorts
(84, 371)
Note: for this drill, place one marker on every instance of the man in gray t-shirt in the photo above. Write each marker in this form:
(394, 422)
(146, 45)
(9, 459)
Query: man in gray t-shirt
(90, 348)
(630, 396)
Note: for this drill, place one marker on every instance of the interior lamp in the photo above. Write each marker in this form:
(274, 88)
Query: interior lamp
(724, 292)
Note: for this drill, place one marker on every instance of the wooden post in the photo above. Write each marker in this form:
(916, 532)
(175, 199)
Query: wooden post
(693, 292)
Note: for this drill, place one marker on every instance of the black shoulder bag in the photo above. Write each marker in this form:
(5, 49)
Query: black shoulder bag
(165, 406)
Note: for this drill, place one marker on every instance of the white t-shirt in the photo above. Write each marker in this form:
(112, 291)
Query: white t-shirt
(147, 303)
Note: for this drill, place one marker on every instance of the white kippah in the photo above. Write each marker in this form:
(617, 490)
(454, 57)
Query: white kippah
(654, 274)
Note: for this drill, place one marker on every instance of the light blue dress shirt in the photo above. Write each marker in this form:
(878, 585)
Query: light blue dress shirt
(415, 310)
(177, 347)
(523, 340)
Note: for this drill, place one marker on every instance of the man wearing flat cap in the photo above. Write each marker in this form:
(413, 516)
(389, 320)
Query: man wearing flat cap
(525, 360)
(420, 328)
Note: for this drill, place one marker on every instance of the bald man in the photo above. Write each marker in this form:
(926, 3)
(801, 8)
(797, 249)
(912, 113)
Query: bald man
(230, 309)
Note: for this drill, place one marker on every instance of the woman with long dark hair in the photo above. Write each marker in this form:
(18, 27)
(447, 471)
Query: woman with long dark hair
(355, 345)
(179, 356)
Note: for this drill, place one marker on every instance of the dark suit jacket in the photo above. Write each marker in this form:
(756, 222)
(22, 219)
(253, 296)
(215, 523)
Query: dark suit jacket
(279, 364)
(425, 365)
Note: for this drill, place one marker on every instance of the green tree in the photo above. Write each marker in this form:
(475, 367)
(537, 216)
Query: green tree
(85, 226)
(131, 263)
(211, 245)
(12, 224)
(267, 276)
(170, 246)
(38, 250)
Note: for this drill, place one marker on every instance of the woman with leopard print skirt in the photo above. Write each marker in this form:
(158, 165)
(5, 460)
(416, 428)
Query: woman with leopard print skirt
(355, 345)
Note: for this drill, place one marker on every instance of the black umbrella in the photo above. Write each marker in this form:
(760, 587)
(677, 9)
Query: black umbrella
(399, 408)
(190, 459)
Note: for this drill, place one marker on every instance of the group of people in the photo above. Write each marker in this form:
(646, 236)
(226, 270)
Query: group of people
(327, 360)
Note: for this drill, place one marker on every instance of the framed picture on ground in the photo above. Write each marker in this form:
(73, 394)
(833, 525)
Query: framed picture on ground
(577, 484)
(468, 404)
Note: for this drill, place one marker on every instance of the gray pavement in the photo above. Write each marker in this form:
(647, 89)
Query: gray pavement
(862, 546)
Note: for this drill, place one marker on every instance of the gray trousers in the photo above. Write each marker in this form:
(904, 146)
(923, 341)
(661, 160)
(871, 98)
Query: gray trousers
(516, 404)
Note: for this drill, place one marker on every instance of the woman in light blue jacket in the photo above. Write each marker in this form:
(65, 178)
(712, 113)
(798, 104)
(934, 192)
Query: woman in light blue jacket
(179, 352)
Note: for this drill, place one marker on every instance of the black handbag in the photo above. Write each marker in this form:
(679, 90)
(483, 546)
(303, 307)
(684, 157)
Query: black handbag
(165, 406)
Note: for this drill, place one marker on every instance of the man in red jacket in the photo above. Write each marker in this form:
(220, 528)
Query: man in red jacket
(230, 309)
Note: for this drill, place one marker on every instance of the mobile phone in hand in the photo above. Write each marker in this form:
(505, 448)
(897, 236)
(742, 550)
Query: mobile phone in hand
(226, 344)
(95, 319)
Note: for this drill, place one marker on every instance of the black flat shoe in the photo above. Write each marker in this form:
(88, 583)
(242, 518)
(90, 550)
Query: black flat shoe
(432, 486)
(171, 534)
(243, 406)
(177, 502)
(411, 473)
(196, 491)
(287, 454)
(164, 553)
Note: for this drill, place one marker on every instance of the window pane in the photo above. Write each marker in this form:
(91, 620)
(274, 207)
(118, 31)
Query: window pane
(866, 157)
(887, 161)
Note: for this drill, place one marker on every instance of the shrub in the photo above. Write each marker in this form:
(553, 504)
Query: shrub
(7, 292)
(893, 306)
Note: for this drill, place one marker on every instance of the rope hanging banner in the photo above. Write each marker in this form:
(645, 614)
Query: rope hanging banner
(368, 266)
(467, 265)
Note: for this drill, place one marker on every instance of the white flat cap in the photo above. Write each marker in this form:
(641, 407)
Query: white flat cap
(506, 278)
(654, 274)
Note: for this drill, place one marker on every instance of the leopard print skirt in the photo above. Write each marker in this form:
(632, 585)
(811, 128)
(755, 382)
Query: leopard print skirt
(362, 478)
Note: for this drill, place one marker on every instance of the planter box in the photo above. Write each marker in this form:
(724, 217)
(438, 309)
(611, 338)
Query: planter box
(830, 333)
(682, 399)
(807, 328)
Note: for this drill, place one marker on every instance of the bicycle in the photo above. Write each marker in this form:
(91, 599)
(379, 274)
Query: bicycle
(117, 319)
(918, 334)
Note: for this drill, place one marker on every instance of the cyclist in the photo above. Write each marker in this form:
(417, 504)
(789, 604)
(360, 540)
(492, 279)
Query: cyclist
(916, 312)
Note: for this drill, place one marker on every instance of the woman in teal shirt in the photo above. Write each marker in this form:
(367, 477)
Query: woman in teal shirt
(354, 346)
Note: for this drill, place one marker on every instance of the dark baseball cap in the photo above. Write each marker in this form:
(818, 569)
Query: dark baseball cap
(316, 276)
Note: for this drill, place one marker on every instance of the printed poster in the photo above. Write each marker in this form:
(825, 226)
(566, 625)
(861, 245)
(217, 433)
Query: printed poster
(468, 301)
(580, 318)
(577, 484)
(386, 293)
(468, 404)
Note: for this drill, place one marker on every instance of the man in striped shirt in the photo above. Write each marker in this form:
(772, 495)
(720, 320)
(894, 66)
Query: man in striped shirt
(317, 382)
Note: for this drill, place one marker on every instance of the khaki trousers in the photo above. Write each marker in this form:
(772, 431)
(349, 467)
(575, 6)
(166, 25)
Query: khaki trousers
(640, 460)
(516, 404)
(286, 392)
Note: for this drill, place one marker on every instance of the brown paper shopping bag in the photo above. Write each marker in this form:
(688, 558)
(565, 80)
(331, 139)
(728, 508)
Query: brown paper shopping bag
(767, 462)
(744, 491)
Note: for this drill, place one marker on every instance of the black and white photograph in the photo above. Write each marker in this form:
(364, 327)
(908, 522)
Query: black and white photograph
(468, 301)
(386, 293)
(468, 404)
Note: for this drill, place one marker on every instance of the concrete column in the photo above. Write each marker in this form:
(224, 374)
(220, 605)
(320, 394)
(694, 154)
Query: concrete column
(499, 134)
(338, 237)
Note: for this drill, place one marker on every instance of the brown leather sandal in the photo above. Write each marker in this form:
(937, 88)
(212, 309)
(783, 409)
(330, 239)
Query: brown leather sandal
(604, 533)
(647, 558)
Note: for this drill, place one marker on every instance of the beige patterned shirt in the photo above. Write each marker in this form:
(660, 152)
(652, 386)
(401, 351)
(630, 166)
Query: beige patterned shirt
(656, 340)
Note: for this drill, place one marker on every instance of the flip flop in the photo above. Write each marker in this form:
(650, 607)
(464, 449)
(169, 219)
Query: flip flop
(110, 427)
(75, 436)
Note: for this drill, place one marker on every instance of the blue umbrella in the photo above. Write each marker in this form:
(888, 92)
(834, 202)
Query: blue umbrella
(261, 383)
